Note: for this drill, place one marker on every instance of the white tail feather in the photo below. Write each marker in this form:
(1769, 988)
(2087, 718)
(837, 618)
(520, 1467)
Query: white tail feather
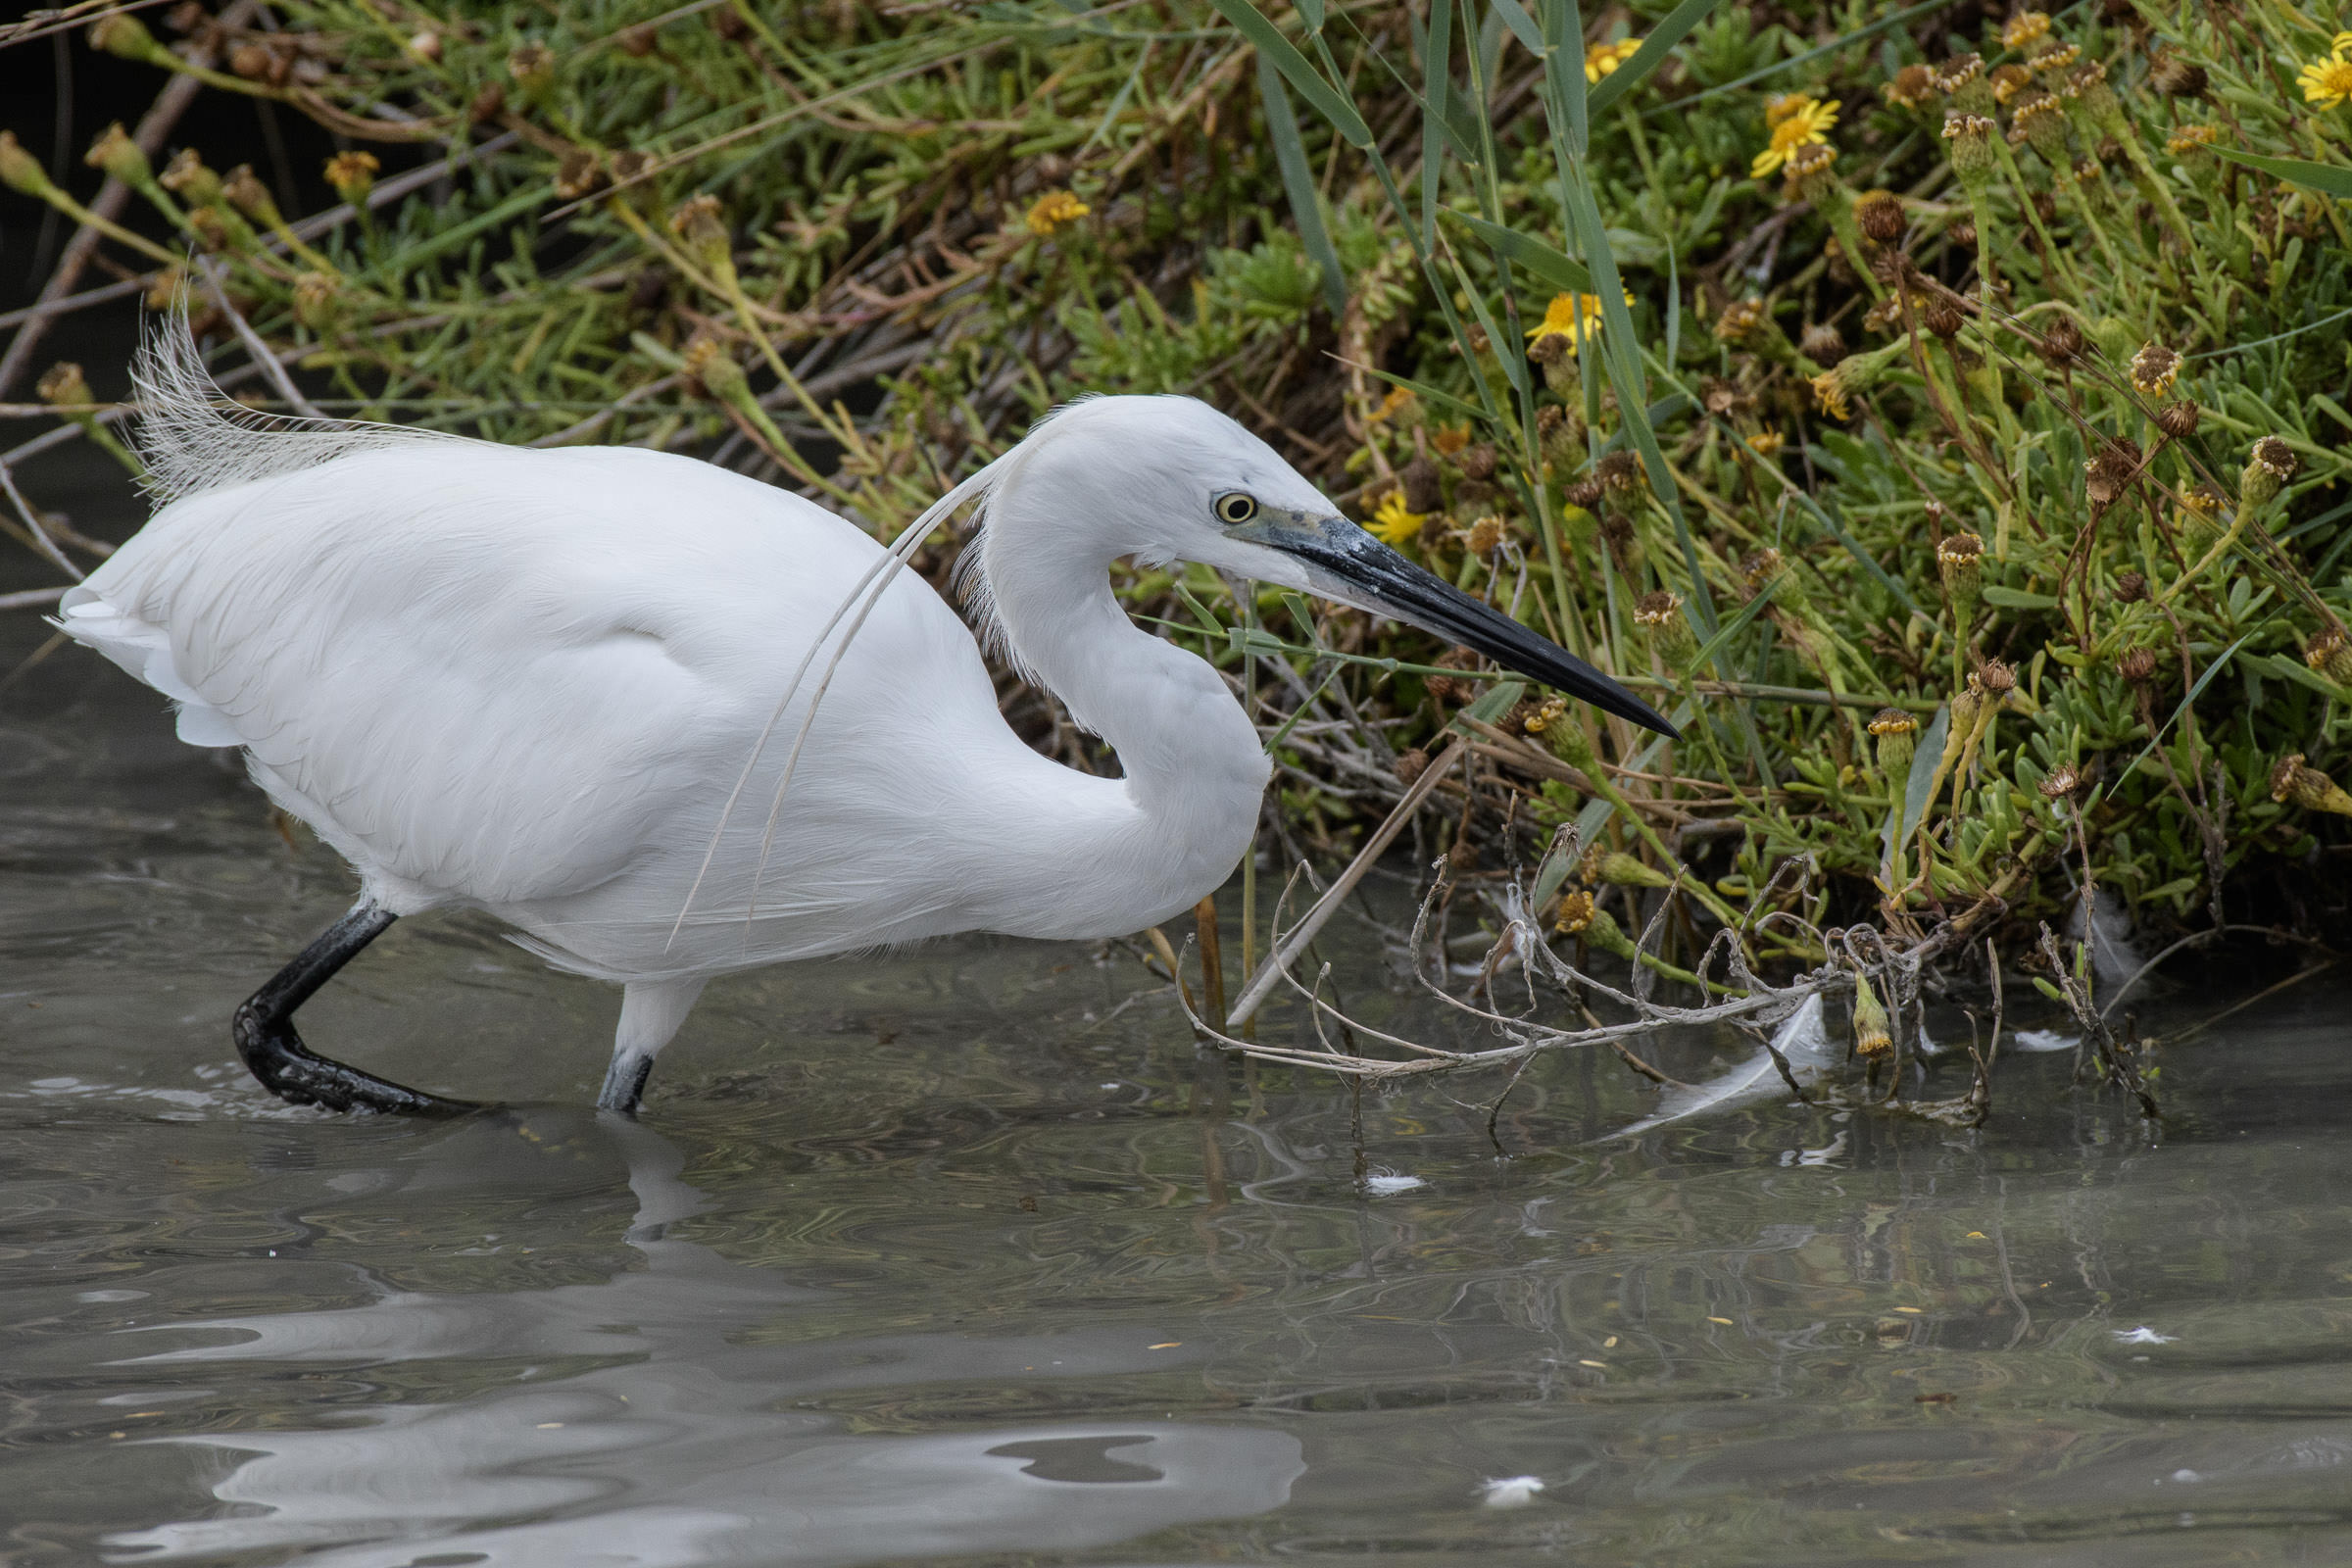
(193, 439)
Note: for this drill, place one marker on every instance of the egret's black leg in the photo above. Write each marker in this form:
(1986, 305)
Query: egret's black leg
(624, 1084)
(276, 1055)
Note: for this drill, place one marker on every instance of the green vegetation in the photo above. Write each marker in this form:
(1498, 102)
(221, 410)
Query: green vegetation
(1947, 425)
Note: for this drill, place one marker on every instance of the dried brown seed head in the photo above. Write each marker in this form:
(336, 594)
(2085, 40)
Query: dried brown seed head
(1423, 491)
(1821, 344)
(63, 383)
(1477, 462)
(1962, 233)
(1881, 218)
(1998, 679)
(2291, 779)
(2131, 587)
(2137, 665)
(1411, 766)
(2061, 782)
(1942, 317)
(1912, 86)
(2175, 76)
(2177, 420)
(2154, 369)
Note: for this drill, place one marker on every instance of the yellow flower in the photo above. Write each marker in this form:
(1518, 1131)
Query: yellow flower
(2023, 28)
(1829, 395)
(1052, 210)
(1600, 62)
(1392, 524)
(1801, 123)
(1575, 318)
(1395, 403)
(2190, 136)
(1766, 443)
(2328, 82)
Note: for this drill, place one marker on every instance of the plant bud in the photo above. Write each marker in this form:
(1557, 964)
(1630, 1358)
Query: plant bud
(1560, 438)
(1971, 137)
(1477, 462)
(487, 105)
(1486, 536)
(1942, 317)
(114, 152)
(425, 47)
(125, 37)
(2293, 780)
(1960, 562)
(532, 66)
(63, 383)
(1660, 616)
(315, 300)
(2131, 587)
(1897, 735)
(577, 173)
(2137, 665)
(2177, 420)
(2038, 119)
(20, 170)
(353, 175)
(2331, 654)
(1624, 871)
(1962, 233)
(1873, 1039)
(700, 223)
(1963, 74)
(248, 195)
(1551, 355)
(2267, 468)
(186, 177)
(1559, 731)
(1998, 679)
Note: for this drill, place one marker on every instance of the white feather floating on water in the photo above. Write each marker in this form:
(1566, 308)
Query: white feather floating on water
(2042, 1039)
(1804, 1040)
(1510, 1492)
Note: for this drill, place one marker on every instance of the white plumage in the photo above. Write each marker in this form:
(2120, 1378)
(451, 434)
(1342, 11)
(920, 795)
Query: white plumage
(531, 683)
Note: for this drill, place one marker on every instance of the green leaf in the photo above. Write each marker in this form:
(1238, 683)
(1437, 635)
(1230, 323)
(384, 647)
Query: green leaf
(1523, 26)
(1435, 78)
(2018, 599)
(1926, 752)
(1495, 702)
(1652, 54)
(1732, 628)
(1425, 390)
(1329, 102)
(1298, 183)
(1886, 23)
(2329, 179)
(1561, 272)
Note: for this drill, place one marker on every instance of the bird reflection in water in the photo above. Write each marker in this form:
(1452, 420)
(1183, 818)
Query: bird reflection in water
(689, 1448)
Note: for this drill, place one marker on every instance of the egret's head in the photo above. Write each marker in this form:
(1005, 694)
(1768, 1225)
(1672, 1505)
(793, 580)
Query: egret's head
(1171, 478)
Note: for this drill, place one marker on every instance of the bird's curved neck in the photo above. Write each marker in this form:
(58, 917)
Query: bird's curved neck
(1193, 767)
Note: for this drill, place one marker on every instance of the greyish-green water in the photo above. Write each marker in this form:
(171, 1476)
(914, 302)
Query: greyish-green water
(966, 1256)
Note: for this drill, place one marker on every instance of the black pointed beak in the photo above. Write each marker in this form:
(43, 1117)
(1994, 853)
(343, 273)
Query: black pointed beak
(1351, 565)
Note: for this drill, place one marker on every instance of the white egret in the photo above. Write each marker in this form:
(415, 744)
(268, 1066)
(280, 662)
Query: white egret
(667, 722)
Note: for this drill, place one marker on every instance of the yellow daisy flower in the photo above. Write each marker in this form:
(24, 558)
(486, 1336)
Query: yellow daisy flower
(1052, 210)
(1392, 524)
(1766, 443)
(1398, 400)
(2328, 83)
(1804, 123)
(1600, 62)
(1574, 317)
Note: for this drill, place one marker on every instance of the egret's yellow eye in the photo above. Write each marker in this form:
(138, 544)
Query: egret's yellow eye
(1235, 507)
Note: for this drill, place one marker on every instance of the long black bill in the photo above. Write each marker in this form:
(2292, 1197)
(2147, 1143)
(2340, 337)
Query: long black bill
(1358, 569)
